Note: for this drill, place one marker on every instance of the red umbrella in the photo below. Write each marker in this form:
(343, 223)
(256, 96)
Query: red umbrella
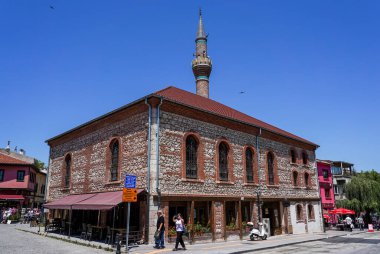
(326, 216)
(342, 211)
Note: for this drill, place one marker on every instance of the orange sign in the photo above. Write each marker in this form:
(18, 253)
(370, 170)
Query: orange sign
(129, 195)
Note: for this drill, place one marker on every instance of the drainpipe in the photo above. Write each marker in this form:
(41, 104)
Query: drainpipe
(258, 172)
(158, 155)
(148, 170)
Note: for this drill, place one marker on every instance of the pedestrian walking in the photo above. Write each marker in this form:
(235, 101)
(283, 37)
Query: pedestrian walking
(159, 235)
(179, 228)
(361, 223)
(348, 221)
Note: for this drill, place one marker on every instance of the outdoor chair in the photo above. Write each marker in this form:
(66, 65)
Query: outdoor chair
(108, 236)
(89, 232)
(83, 234)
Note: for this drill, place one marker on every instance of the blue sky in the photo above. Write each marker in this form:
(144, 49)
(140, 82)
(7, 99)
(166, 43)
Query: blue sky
(308, 67)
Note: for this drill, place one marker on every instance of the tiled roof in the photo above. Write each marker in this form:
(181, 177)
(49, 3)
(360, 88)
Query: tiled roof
(195, 101)
(6, 159)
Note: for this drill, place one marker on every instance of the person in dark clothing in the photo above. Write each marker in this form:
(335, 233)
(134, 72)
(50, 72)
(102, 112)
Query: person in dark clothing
(159, 240)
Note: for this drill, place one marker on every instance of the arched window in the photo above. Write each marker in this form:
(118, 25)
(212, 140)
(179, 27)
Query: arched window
(223, 162)
(67, 171)
(299, 212)
(306, 179)
(191, 157)
(304, 158)
(310, 210)
(249, 165)
(295, 178)
(114, 160)
(270, 169)
(293, 156)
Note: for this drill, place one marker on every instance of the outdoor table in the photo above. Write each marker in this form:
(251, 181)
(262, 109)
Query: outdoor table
(340, 226)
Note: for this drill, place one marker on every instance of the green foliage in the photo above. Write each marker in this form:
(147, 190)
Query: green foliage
(363, 192)
(39, 164)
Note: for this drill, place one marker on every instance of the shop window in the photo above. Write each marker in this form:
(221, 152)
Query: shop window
(191, 157)
(293, 156)
(67, 171)
(299, 212)
(223, 162)
(1, 175)
(249, 165)
(295, 178)
(20, 175)
(114, 160)
(310, 209)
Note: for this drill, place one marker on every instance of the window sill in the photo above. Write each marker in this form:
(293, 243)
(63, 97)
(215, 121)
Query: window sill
(224, 182)
(273, 186)
(113, 183)
(293, 163)
(251, 184)
(311, 220)
(191, 180)
(65, 189)
(305, 166)
(300, 221)
(20, 181)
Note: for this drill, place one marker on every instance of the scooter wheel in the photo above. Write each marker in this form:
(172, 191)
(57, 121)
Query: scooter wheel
(264, 237)
(252, 237)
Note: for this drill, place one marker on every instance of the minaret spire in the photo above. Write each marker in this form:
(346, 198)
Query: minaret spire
(202, 63)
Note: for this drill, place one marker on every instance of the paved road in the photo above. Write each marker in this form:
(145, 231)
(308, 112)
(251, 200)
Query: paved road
(353, 244)
(15, 241)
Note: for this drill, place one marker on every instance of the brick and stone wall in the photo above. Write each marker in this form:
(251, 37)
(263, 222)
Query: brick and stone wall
(89, 152)
(174, 127)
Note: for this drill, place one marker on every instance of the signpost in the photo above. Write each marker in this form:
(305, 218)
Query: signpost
(129, 195)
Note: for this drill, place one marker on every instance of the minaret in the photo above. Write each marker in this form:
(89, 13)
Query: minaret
(202, 63)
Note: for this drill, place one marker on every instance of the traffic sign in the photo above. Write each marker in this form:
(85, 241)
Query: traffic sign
(130, 181)
(129, 195)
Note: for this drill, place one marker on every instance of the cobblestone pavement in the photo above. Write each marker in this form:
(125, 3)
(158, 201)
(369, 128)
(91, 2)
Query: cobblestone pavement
(15, 241)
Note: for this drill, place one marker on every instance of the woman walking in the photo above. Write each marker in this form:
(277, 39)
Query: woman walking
(179, 227)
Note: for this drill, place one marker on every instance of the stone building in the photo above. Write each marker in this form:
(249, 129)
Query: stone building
(217, 166)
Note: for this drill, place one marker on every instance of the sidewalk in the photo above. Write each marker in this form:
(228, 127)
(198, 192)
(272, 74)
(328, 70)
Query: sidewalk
(236, 247)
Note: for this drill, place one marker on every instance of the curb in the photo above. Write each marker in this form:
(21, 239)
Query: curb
(289, 244)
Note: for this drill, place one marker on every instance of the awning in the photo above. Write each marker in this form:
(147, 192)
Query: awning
(11, 197)
(68, 201)
(94, 201)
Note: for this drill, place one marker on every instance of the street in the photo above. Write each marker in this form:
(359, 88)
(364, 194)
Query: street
(358, 244)
(13, 240)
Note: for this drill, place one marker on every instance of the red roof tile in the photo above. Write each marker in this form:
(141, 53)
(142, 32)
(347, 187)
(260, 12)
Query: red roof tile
(6, 159)
(190, 99)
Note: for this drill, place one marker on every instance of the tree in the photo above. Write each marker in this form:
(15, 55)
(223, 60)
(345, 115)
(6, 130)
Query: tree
(39, 164)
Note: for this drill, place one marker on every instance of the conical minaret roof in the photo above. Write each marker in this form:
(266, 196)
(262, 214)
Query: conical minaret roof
(201, 31)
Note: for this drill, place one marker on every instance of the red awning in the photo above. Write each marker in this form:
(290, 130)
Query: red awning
(94, 201)
(68, 201)
(12, 197)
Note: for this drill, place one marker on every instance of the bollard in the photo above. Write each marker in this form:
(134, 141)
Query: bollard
(118, 244)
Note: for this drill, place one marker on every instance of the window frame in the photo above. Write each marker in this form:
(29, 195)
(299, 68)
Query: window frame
(299, 213)
(189, 173)
(310, 212)
(295, 179)
(293, 156)
(19, 179)
(2, 173)
(271, 169)
(223, 175)
(305, 158)
(249, 177)
(307, 181)
(68, 169)
(325, 174)
(114, 161)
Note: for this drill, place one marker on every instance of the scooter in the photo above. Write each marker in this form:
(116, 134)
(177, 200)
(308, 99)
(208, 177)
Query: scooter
(255, 233)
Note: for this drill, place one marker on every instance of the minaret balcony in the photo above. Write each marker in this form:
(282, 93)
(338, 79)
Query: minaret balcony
(201, 61)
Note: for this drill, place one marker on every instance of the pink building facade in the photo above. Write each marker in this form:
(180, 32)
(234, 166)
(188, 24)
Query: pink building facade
(326, 187)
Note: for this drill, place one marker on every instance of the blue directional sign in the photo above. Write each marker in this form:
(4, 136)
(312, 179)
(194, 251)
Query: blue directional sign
(130, 181)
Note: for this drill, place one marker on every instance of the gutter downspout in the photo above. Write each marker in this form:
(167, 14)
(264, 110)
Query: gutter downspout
(148, 169)
(258, 172)
(158, 155)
